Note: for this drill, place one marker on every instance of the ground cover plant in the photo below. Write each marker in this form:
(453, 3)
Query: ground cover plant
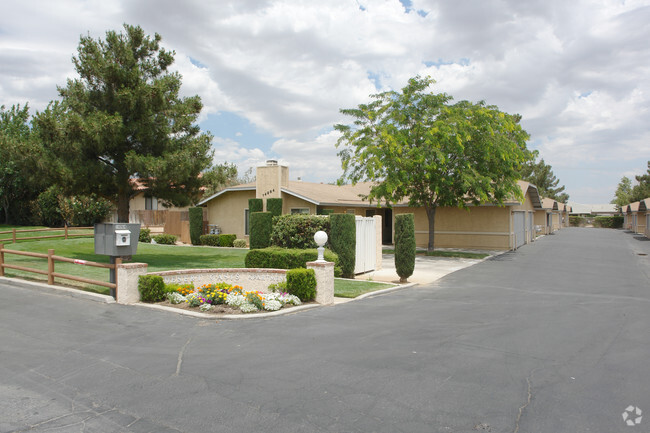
(346, 288)
(438, 253)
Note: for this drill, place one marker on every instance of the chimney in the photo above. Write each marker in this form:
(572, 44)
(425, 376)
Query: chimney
(270, 179)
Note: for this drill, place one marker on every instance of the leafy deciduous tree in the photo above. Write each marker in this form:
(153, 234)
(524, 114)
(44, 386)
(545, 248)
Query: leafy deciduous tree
(414, 145)
(623, 193)
(642, 190)
(123, 118)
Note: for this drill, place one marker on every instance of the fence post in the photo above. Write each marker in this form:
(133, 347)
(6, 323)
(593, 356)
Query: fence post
(2, 260)
(118, 261)
(66, 231)
(50, 267)
(14, 236)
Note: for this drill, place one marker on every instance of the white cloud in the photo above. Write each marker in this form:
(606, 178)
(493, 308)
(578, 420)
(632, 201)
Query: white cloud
(576, 70)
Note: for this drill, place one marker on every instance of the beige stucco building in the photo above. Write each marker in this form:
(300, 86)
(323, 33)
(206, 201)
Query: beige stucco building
(479, 227)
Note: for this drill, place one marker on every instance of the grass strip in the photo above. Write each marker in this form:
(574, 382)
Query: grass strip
(345, 288)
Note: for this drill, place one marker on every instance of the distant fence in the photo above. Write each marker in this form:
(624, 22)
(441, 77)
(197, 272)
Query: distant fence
(66, 233)
(51, 259)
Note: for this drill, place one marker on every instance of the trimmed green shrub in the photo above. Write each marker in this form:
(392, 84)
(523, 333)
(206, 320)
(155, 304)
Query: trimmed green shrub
(404, 245)
(302, 283)
(165, 239)
(343, 241)
(260, 229)
(151, 288)
(609, 222)
(145, 236)
(196, 225)
(285, 258)
(209, 240)
(577, 221)
(274, 205)
(255, 205)
(240, 243)
(297, 231)
(227, 240)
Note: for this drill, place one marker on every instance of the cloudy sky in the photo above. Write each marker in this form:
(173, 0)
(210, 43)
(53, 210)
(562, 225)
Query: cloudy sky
(273, 74)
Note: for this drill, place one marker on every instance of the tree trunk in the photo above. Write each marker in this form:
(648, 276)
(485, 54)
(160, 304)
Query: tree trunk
(431, 214)
(123, 206)
(6, 209)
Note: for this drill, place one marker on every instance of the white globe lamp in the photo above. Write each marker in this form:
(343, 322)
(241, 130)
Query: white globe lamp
(320, 237)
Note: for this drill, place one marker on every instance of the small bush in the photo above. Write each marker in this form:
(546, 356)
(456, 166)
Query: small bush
(609, 222)
(285, 258)
(227, 240)
(145, 236)
(278, 287)
(302, 283)
(343, 241)
(151, 288)
(240, 243)
(404, 245)
(196, 225)
(260, 230)
(577, 221)
(274, 205)
(165, 239)
(46, 207)
(297, 231)
(84, 210)
(209, 240)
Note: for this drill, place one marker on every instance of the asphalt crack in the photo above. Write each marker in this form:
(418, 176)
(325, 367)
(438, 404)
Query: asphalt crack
(528, 399)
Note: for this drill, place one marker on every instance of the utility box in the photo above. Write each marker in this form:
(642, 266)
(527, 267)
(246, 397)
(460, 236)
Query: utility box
(116, 239)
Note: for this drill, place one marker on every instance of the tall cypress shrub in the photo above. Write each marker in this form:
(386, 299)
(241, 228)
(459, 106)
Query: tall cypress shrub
(274, 205)
(260, 230)
(404, 245)
(196, 225)
(255, 205)
(343, 241)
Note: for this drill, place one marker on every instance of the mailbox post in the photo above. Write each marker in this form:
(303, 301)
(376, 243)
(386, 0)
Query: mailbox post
(116, 240)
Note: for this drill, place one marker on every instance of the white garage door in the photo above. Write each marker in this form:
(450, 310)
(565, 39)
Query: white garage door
(519, 219)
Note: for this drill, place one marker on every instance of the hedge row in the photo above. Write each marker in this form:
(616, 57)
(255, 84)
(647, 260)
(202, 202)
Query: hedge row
(223, 240)
(609, 222)
(284, 258)
(343, 241)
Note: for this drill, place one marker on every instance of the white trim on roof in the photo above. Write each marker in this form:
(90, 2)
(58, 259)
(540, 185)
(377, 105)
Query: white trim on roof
(223, 191)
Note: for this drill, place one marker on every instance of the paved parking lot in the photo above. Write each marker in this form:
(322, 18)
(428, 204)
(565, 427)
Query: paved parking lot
(551, 338)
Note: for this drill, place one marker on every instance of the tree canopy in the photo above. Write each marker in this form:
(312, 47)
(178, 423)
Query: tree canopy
(541, 175)
(122, 119)
(641, 190)
(416, 146)
(19, 173)
(623, 193)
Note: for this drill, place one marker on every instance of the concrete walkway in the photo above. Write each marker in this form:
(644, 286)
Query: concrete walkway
(427, 269)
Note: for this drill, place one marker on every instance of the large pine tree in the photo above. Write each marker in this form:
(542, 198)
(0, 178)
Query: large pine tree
(123, 119)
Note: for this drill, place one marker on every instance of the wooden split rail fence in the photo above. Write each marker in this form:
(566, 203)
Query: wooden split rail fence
(51, 274)
(65, 233)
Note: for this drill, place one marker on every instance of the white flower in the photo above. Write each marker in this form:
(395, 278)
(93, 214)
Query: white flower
(247, 307)
(272, 305)
(205, 307)
(286, 298)
(235, 299)
(175, 297)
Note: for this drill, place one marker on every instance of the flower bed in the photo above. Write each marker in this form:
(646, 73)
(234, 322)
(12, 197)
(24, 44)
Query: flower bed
(223, 298)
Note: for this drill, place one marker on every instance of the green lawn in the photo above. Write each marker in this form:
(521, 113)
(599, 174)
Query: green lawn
(158, 257)
(352, 288)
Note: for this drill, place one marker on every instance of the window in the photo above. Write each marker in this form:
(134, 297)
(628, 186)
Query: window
(150, 203)
(246, 221)
(300, 211)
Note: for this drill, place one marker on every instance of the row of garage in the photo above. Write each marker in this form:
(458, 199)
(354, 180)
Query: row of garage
(636, 217)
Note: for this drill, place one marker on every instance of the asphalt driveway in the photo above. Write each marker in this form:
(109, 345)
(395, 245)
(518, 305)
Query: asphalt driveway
(552, 338)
